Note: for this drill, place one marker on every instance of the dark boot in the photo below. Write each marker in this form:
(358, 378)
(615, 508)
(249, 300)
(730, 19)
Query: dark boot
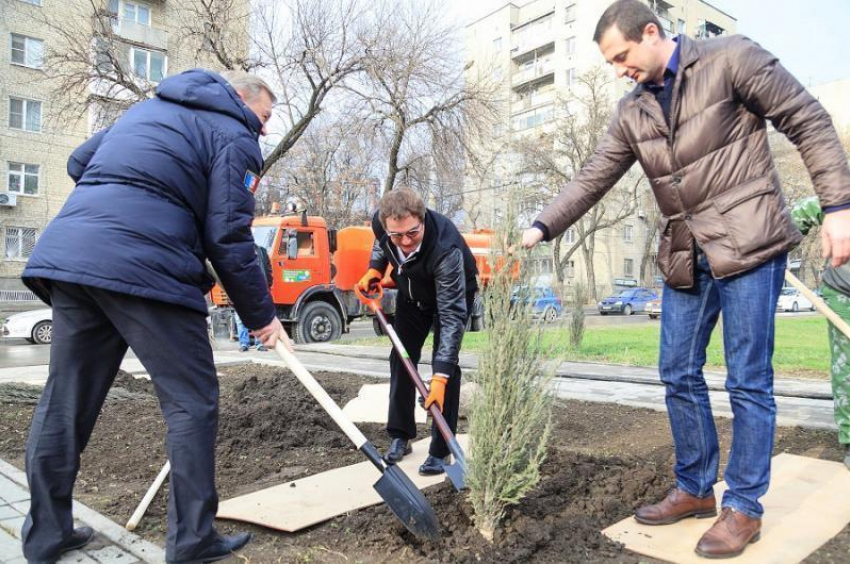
(676, 506)
(222, 548)
(729, 535)
(433, 466)
(399, 448)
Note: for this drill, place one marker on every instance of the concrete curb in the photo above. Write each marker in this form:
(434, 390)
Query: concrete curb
(130, 542)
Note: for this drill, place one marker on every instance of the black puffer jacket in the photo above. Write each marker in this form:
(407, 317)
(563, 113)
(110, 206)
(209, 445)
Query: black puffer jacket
(440, 278)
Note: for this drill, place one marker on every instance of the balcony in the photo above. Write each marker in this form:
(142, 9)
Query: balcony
(135, 32)
(536, 73)
(529, 45)
(534, 100)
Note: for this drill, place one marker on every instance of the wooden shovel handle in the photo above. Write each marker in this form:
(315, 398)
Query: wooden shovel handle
(819, 304)
(149, 495)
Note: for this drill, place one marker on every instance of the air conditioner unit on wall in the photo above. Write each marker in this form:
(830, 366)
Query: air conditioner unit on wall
(8, 199)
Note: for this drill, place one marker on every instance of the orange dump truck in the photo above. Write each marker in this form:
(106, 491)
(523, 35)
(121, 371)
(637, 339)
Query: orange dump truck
(315, 270)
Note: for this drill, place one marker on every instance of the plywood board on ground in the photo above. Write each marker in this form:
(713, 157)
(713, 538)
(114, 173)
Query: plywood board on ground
(372, 405)
(801, 512)
(295, 505)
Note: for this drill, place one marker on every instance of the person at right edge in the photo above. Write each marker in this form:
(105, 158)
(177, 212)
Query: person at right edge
(435, 274)
(696, 122)
(835, 289)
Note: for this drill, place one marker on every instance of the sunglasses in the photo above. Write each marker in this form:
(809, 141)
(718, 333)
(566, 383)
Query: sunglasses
(409, 234)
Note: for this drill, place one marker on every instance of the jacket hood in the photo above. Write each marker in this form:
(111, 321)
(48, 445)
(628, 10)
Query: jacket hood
(205, 90)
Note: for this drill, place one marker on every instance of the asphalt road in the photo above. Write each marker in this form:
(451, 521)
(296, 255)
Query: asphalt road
(19, 352)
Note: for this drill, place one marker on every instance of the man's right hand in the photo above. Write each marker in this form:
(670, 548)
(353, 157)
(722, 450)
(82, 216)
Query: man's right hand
(530, 237)
(371, 279)
(272, 333)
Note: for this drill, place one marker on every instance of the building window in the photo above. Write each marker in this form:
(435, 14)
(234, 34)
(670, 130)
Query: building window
(133, 11)
(149, 65)
(571, 45)
(19, 242)
(24, 114)
(680, 27)
(27, 51)
(570, 236)
(33, 2)
(628, 267)
(627, 233)
(571, 77)
(497, 44)
(570, 270)
(570, 15)
(23, 178)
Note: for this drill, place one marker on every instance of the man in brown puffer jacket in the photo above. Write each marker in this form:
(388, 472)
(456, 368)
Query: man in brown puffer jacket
(696, 122)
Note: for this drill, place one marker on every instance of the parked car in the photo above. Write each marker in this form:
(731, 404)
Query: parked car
(790, 299)
(542, 301)
(626, 301)
(35, 326)
(653, 308)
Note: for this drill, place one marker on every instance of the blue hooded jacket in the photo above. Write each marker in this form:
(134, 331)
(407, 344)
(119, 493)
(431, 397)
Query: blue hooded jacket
(161, 190)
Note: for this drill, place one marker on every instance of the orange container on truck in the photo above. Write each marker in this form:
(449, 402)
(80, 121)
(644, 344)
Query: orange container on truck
(315, 270)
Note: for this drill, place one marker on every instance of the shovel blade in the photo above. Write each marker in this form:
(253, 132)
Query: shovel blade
(408, 503)
(455, 473)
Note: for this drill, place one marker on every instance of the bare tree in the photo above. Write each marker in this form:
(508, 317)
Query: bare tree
(579, 127)
(649, 213)
(310, 48)
(413, 85)
(331, 171)
(216, 32)
(88, 66)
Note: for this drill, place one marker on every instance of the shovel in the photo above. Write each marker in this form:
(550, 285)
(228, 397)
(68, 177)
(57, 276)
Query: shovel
(395, 488)
(457, 470)
(819, 304)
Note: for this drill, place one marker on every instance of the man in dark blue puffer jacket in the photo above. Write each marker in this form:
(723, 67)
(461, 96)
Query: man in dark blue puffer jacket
(168, 186)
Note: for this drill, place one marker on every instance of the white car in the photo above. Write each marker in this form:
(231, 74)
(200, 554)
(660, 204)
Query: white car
(790, 299)
(35, 326)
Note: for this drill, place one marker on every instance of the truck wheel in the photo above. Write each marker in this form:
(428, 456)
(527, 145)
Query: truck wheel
(377, 327)
(319, 322)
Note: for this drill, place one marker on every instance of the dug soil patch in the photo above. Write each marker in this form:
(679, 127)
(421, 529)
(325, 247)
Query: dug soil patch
(604, 461)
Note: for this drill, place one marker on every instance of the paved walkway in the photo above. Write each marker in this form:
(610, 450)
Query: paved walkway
(801, 403)
(112, 544)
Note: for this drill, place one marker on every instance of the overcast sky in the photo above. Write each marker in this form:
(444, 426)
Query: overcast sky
(806, 36)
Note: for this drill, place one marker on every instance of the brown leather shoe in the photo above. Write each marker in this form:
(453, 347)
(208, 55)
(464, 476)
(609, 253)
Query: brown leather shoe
(729, 535)
(676, 506)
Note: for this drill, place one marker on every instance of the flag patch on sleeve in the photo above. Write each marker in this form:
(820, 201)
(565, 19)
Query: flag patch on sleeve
(252, 180)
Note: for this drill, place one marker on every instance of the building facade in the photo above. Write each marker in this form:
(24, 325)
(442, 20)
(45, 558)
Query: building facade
(536, 55)
(67, 68)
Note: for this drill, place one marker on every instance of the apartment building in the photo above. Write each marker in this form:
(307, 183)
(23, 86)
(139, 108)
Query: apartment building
(136, 39)
(534, 53)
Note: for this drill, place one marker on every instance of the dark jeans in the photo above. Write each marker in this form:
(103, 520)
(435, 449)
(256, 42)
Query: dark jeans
(92, 329)
(748, 302)
(413, 325)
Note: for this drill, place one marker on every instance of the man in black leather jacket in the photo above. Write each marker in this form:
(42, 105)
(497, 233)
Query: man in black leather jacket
(435, 274)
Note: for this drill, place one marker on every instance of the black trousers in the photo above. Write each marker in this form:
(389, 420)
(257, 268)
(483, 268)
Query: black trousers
(413, 325)
(92, 329)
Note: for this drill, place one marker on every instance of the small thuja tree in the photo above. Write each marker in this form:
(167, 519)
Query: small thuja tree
(577, 315)
(509, 421)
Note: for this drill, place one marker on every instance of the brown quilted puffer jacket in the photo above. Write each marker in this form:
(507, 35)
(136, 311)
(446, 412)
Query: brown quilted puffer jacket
(711, 170)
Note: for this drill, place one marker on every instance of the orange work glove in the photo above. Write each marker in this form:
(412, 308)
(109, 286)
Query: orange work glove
(369, 280)
(438, 392)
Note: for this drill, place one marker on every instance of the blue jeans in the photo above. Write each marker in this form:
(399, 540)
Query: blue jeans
(688, 317)
(242, 331)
